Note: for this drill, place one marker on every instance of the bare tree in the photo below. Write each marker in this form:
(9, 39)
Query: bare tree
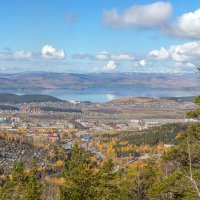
(189, 175)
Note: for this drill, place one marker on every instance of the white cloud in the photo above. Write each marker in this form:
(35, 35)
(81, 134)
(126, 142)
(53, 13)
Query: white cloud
(80, 56)
(123, 57)
(104, 55)
(186, 26)
(22, 55)
(110, 66)
(161, 54)
(142, 63)
(110, 97)
(155, 16)
(187, 52)
(17, 55)
(140, 16)
(49, 52)
(177, 58)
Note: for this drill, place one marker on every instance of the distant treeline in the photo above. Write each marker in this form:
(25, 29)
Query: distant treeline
(7, 107)
(13, 98)
(52, 109)
(165, 133)
(180, 99)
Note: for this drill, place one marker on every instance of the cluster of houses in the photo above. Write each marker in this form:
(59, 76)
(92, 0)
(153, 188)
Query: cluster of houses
(9, 119)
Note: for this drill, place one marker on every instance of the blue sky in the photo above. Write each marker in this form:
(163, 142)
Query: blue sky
(99, 36)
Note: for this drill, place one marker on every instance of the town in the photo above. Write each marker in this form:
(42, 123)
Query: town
(67, 122)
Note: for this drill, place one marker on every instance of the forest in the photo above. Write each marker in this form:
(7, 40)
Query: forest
(175, 176)
(13, 98)
(152, 136)
(80, 176)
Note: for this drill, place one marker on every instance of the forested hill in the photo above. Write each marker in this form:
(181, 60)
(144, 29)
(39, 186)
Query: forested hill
(13, 98)
(153, 136)
(180, 99)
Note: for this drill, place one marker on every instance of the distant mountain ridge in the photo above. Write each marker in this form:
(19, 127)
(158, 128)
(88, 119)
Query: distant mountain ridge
(13, 98)
(50, 80)
(147, 100)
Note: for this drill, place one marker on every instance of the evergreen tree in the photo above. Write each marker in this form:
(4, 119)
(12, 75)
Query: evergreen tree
(13, 187)
(182, 179)
(82, 183)
(33, 189)
(7, 190)
(107, 187)
(79, 179)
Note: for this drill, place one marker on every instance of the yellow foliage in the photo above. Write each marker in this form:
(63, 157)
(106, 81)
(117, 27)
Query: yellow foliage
(51, 154)
(21, 130)
(94, 158)
(57, 181)
(59, 163)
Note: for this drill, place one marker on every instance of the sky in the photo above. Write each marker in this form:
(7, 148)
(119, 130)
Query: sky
(94, 36)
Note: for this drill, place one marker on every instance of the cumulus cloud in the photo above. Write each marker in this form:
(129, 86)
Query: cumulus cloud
(161, 54)
(123, 57)
(142, 62)
(49, 52)
(110, 66)
(155, 16)
(186, 26)
(140, 16)
(17, 55)
(186, 52)
(104, 55)
(22, 55)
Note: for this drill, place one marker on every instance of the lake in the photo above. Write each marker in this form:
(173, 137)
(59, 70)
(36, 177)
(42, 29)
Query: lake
(108, 94)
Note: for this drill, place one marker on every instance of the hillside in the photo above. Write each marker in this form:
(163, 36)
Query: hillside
(33, 81)
(180, 99)
(11, 151)
(12, 98)
(135, 100)
(147, 100)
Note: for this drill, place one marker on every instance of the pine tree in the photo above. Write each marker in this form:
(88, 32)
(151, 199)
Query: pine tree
(13, 187)
(7, 190)
(79, 179)
(107, 187)
(33, 189)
